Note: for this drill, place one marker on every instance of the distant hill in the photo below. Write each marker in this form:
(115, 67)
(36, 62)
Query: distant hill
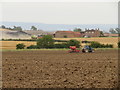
(10, 34)
(37, 32)
(56, 27)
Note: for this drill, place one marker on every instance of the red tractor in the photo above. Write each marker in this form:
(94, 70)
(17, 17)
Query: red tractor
(73, 50)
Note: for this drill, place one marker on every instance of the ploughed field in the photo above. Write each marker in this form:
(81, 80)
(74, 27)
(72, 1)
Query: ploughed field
(60, 69)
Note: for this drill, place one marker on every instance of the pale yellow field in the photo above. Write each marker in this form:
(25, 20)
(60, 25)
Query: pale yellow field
(12, 44)
(104, 40)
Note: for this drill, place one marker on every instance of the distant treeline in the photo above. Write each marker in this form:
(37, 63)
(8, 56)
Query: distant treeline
(30, 40)
(18, 28)
(18, 40)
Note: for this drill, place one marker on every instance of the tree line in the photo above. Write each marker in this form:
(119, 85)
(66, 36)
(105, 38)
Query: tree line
(18, 28)
(48, 42)
(112, 31)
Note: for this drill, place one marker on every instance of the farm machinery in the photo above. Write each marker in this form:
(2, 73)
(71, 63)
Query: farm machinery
(85, 49)
(73, 49)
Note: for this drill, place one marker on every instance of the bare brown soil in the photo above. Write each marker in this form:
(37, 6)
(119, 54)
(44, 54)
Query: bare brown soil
(60, 69)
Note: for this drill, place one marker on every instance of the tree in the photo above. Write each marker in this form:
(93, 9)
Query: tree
(10, 28)
(17, 28)
(101, 33)
(3, 27)
(20, 46)
(32, 47)
(115, 31)
(45, 42)
(112, 31)
(77, 30)
(34, 37)
(73, 42)
(95, 44)
(33, 28)
(65, 36)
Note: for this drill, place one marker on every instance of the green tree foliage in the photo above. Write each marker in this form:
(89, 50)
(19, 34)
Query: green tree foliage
(34, 37)
(63, 45)
(20, 46)
(77, 30)
(101, 33)
(33, 28)
(99, 45)
(65, 36)
(3, 27)
(32, 47)
(17, 28)
(45, 42)
(73, 42)
(95, 44)
(9, 28)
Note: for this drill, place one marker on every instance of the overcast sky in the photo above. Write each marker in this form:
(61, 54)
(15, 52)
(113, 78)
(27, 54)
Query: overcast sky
(61, 12)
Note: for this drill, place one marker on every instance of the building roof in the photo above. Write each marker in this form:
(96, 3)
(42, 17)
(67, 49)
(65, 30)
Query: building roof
(70, 32)
(65, 31)
(111, 35)
(91, 30)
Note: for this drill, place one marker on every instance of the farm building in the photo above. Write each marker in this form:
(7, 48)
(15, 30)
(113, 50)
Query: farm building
(66, 34)
(92, 33)
(71, 34)
(111, 35)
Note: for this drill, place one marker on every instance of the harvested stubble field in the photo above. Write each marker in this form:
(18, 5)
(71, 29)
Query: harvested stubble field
(12, 44)
(60, 69)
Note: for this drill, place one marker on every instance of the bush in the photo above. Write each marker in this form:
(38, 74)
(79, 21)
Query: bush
(73, 43)
(95, 44)
(20, 46)
(65, 36)
(119, 44)
(3, 39)
(60, 40)
(63, 45)
(32, 47)
(98, 45)
(109, 46)
(34, 37)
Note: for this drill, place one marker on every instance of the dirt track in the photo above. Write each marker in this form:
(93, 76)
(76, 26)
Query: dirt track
(59, 69)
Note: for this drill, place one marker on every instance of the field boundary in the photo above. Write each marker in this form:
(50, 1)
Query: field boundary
(4, 50)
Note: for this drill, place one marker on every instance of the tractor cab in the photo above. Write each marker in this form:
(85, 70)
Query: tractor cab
(87, 48)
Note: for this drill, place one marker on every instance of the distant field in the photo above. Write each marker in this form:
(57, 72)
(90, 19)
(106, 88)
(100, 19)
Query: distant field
(12, 44)
(103, 40)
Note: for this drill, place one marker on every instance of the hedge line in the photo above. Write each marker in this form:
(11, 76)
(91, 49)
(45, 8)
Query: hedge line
(64, 45)
(30, 40)
(98, 45)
